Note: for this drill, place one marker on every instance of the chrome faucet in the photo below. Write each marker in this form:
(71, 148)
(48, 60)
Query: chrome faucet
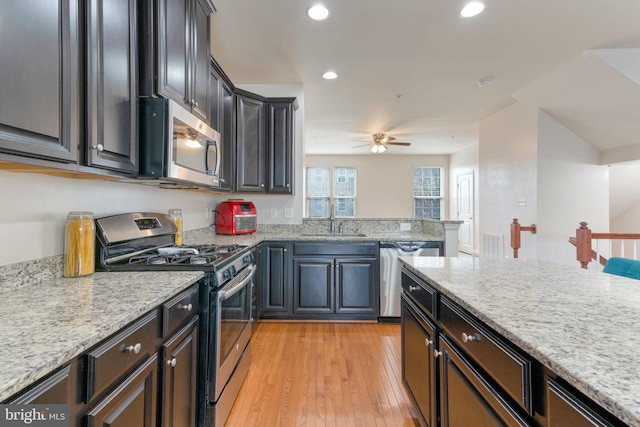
(332, 218)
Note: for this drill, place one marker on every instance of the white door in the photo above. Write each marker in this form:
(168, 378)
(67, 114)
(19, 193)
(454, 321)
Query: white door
(465, 212)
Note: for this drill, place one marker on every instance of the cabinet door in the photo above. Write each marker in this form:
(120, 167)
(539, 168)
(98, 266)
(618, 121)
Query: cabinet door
(250, 145)
(228, 134)
(313, 285)
(280, 132)
(215, 100)
(40, 86)
(356, 286)
(112, 95)
(173, 50)
(200, 61)
(133, 403)
(466, 398)
(418, 363)
(180, 357)
(275, 279)
(56, 389)
(566, 408)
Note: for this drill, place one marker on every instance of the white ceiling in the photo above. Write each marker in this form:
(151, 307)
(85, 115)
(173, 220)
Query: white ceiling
(410, 67)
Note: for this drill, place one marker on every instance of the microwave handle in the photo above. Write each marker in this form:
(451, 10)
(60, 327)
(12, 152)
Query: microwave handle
(206, 155)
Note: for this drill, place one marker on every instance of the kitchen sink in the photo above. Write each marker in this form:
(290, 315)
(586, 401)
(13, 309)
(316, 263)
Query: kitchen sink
(333, 235)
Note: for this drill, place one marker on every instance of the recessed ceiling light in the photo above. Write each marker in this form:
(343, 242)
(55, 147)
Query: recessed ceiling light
(472, 8)
(318, 12)
(329, 75)
(483, 82)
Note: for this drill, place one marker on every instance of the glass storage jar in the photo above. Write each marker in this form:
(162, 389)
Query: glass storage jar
(176, 216)
(79, 244)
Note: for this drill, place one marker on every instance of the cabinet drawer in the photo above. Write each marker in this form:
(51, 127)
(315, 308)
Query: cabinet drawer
(110, 360)
(420, 293)
(506, 366)
(336, 249)
(179, 310)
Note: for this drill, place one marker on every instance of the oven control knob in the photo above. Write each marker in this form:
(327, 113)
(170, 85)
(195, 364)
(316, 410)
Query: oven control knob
(248, 259)
(226, 274)
(233, 270)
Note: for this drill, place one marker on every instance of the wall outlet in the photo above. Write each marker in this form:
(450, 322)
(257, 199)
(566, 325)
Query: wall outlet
(288, 212)
(273, 212)
(521, 201)
(208, 213)
(405, 226)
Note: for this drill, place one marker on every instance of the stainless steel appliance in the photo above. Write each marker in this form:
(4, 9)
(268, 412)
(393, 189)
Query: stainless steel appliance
(177, 149)
(390, 279)
(145, 242)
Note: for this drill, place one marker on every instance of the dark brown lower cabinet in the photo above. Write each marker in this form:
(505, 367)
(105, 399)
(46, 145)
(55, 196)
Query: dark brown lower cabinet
(466, 398)
(132, 403)
(566, 408)
(180, 358)
(419, 363)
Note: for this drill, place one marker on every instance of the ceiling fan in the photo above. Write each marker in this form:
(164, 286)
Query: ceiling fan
(380, 142)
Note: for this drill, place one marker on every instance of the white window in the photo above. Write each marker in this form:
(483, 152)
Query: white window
(331, 189)
(427, 192)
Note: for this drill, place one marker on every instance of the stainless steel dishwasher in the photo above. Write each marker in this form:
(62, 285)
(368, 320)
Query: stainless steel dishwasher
(390, 285)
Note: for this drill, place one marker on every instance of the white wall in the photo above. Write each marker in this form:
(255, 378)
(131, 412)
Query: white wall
(624, 193)
(572, 187)
(465, 161)
(385, 181)
(507, 171)
(35, 208)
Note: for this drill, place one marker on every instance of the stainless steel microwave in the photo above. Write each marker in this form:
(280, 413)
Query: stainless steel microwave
(177, 149)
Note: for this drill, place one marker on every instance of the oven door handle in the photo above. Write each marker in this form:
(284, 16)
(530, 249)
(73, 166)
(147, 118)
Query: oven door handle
(223, 295)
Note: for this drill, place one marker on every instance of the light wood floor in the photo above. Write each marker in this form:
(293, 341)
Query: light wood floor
(323, 374)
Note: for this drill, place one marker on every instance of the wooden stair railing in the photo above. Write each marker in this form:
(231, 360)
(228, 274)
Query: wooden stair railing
(516, 229)
(585, 237)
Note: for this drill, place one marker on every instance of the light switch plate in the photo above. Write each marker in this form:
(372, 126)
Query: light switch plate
(288, 212)
(521, 201)
(273, 212)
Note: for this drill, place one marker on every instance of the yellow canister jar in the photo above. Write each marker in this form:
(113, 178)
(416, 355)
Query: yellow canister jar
(79, 244)
(176, 216)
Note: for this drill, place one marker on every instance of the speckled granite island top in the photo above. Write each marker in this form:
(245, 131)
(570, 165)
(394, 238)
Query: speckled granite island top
(45, 325)
(583, 325)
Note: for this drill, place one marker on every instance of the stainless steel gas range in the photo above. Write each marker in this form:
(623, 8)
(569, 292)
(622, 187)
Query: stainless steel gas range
(146, 242)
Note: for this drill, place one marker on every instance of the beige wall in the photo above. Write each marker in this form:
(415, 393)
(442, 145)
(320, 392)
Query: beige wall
(385, 181)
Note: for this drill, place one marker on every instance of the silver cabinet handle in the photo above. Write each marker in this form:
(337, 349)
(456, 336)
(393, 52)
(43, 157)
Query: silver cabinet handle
(98, 147)
(413, 288)
(132, 348)
(437, 353)
(172, 362)
(469, 338)
(186, 307)
(428, 342)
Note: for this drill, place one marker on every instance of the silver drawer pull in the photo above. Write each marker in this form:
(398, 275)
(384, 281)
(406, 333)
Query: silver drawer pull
(132, 348)
(428, 342)
(413, 288)
(437, 353)
(469, 338)
(172, 362)
(186, 307)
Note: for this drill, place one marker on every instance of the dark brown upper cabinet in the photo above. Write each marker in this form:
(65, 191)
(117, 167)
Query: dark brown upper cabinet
(175, 60)
(112, 85)
(280, 138)
(41, 86)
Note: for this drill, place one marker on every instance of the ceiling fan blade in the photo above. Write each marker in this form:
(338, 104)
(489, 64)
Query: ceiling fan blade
(399, 143)
(387, 139)
(363, 145)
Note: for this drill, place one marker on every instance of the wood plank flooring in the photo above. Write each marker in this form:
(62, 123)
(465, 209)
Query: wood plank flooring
(323, 374)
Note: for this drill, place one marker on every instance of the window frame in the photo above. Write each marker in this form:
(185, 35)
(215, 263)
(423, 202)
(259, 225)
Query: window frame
(332, 198)
(440, 197)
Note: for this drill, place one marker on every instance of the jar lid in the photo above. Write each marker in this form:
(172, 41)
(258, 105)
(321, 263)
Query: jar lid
(80, 214)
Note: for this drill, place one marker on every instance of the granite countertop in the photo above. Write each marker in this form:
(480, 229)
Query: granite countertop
(45, 325)
(580, 324)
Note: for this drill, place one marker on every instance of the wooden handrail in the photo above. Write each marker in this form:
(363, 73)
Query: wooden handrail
(583, 242)
(516, 229)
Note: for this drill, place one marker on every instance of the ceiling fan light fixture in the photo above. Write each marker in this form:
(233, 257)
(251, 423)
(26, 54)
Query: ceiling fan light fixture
(472, 8)
(378, 148)
(318, 12)
(329, 75)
